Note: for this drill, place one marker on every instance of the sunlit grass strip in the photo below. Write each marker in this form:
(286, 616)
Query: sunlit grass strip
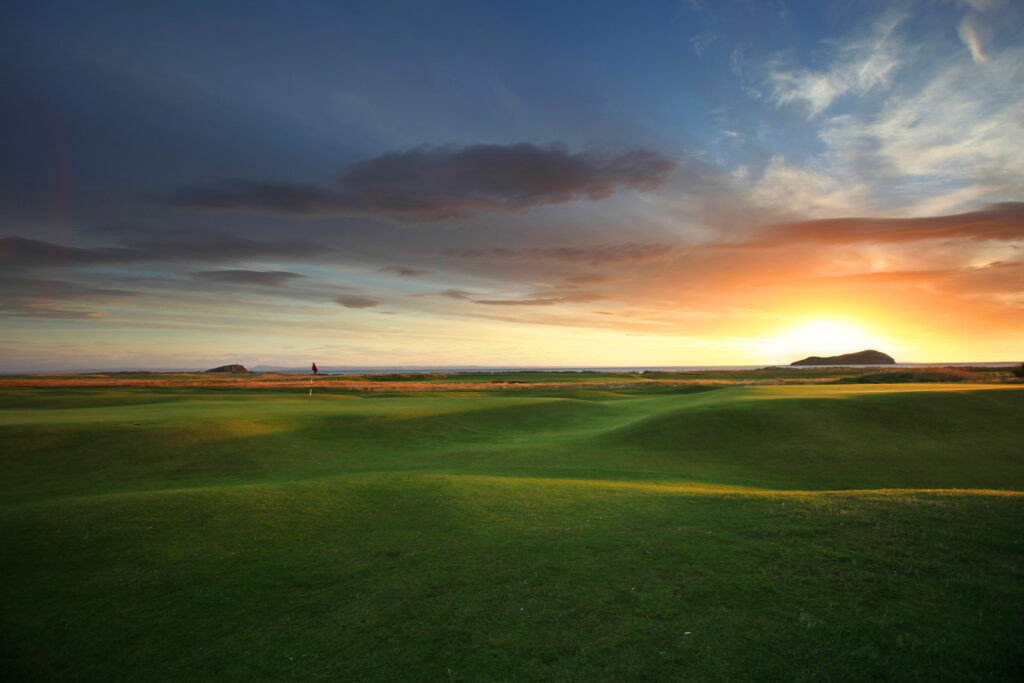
(704, 489)
(843, 390)
(540, 486)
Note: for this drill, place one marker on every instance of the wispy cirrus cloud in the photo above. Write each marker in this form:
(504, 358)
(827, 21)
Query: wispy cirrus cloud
(924, 130)
(953, 142)
(985, 5)
(437, 183)
(263, 278)
(857, 67)
(546, 299)
(996, 277)
(784, 185)
(968, 33)
(701, 41)
(45, 308)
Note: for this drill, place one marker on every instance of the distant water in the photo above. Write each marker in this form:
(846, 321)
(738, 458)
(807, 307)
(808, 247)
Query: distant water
(382, 369)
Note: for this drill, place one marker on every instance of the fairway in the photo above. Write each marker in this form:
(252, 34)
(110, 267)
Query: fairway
(807, 532)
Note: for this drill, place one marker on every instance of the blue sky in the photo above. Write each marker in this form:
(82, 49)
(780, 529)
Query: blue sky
(508, 183)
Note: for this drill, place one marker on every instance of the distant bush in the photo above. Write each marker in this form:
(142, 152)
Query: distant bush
(913, 376)
(1019, 372)
(399, 377)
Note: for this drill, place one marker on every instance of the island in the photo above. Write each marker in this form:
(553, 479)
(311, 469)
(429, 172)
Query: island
(229, 368)
(868, 357)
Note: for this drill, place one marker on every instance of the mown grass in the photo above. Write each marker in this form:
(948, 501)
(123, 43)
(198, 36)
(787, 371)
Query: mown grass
(800, 533)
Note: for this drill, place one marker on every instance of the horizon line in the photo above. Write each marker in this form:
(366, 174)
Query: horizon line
(624, 368)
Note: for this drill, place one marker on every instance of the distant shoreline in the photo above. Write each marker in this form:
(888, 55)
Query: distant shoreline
(524, 379)
(381, 369)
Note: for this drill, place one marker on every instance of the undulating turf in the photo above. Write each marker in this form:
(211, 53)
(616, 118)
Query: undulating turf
(843, 532)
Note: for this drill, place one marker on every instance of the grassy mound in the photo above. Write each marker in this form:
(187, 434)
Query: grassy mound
(782, 532)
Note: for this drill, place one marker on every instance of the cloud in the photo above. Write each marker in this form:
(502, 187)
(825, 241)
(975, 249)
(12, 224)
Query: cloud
(456, 293)
(785, 185)
(962, 130)
(571, 298)
(857, 67)
(1000, 222)
(910, 262)
(35, 298)
(258, 197)
(266, 278)
(438, 183)
(21, 252)
(589, 279)
(35, 288)
(984, 5)
(922, 131)
(404, 271)
(969, 35)
(48, 309)
(989, 278)
(601, 255)
(700, 42)
(357, 301)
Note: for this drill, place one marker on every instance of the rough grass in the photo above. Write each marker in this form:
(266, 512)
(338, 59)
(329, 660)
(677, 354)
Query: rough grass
(822, 532)
(915, 375)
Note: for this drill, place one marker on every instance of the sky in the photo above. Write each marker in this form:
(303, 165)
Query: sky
(582, 184)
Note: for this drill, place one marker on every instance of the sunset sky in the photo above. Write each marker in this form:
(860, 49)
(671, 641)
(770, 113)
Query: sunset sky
(634, 184)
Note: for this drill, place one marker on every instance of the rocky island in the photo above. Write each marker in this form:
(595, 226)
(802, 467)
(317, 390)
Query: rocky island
(229, 368)
(868, 357)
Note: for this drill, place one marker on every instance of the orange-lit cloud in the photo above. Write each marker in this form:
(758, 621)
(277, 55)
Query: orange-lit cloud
(1001, 222)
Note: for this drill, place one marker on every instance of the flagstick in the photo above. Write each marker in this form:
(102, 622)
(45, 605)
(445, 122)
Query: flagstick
(311, 387)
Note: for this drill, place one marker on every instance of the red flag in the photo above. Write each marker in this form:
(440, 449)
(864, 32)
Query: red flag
(314, 369)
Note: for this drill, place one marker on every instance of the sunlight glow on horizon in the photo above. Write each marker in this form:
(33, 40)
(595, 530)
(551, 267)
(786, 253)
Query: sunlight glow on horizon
(821, 338)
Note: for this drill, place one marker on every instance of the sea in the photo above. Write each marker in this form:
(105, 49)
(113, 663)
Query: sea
(388, 369)
(410, 369)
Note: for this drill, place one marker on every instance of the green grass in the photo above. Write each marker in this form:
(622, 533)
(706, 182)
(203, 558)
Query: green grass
(843, 532)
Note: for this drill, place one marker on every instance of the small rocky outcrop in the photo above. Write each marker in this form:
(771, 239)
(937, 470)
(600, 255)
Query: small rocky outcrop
(869, 357)
(229, 368)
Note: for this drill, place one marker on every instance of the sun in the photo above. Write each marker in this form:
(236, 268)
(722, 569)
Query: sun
(819, 338)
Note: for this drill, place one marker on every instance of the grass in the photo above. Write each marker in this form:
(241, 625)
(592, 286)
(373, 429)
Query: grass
(847, 532)
(917, 376)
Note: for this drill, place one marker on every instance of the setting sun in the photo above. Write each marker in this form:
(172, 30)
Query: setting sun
(820, 338)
